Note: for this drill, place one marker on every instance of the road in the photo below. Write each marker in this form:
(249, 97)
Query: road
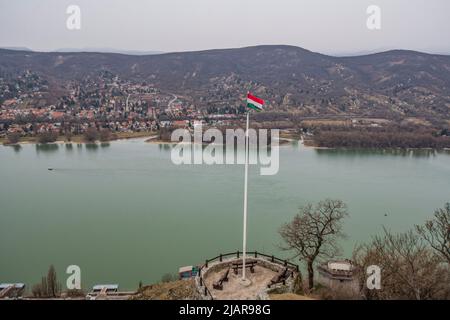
(173, 100)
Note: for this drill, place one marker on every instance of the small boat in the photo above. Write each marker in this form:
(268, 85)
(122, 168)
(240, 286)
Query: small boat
(50, 169)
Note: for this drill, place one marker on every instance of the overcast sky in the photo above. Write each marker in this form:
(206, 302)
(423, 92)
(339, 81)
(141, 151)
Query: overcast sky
(327, 26)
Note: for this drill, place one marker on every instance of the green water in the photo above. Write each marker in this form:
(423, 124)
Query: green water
(124, 213)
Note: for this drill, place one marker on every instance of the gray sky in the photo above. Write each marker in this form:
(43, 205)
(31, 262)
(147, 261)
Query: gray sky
(327, 26)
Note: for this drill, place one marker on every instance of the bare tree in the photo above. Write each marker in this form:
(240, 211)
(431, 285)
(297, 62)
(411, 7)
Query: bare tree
(53, 287)
(68, 134)
(409, 269)
(47, 137)
(91, 135)
(36, 290)
(12, 138)
(313, 233)
(49, 286)
(105, 135)
(436, 232)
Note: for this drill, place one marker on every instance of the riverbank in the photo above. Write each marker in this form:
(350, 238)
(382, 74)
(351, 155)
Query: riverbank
(152, 140)
(81, 139)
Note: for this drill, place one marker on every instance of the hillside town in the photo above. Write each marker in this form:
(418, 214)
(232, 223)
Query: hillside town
(31, 106)
(334, 103)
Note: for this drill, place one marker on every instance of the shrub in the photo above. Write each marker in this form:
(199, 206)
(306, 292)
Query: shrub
(105, 135)
(168, 277)
(91, 135)
(13, 138)
(47, 137)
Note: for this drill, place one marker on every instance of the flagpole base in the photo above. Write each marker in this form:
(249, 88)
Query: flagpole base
(245, 282)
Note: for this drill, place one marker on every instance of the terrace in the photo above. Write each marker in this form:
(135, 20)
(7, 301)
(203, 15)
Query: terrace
(221, 277)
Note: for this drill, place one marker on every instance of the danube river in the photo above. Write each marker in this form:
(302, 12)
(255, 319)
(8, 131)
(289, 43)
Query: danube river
(125, 213)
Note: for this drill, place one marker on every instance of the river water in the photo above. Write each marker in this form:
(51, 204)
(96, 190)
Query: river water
(125, 213)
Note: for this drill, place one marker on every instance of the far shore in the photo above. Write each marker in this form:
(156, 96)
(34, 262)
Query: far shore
(80, 138)
(154, 140)
(152, 137)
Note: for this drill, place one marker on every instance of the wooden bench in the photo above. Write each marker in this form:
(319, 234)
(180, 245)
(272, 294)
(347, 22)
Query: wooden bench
(248, 264)
(218, 285)
(281, 276)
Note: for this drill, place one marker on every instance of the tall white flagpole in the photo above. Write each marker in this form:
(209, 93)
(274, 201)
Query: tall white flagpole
(244, 238)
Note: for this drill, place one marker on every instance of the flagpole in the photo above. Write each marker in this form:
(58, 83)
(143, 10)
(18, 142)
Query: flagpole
(244, 238)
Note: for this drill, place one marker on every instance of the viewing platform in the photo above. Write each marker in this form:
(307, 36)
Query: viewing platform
(220, 278)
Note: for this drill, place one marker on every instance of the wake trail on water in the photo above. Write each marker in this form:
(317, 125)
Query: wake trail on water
(97, 171)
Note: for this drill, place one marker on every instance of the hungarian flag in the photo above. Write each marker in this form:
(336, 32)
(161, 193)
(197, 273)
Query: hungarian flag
(254, 103)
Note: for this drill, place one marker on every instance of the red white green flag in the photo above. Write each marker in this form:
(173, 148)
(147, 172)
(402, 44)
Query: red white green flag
(254, 103)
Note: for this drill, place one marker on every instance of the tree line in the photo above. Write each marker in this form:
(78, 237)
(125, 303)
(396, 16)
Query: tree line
(90, 135)
(386, 137)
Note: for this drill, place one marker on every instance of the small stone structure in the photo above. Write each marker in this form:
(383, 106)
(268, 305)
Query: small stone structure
(338, 275)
